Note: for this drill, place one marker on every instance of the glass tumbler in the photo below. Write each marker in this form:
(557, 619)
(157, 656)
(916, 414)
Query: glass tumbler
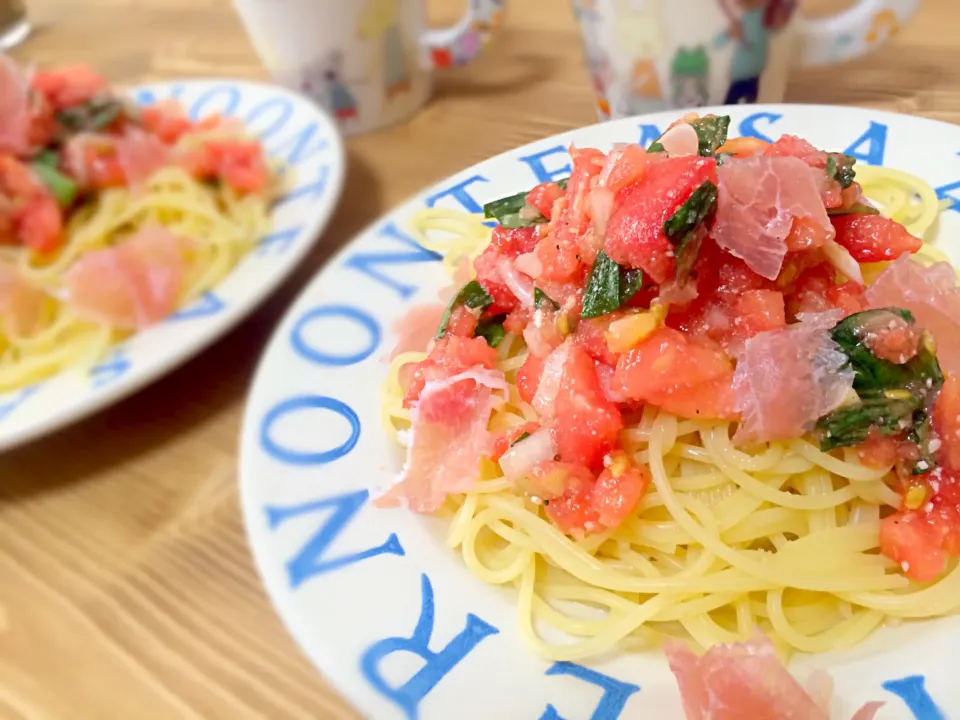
(14, 26)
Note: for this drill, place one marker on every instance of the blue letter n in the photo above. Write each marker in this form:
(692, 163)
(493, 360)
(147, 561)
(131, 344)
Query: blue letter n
(309, 560)
(436, 664)
(368, 263)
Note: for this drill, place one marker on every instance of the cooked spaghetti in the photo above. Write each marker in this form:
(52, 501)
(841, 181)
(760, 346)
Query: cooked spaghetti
(724, 446)
(111, 216)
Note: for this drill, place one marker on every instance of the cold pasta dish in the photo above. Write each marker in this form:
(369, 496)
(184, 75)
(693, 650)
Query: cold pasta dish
(690, 391)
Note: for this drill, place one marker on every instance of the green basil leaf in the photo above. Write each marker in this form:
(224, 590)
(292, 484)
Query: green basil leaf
(850, 425)
(540, 297)
(63, 188)
(840, 168)
(712, 133)
(655, 147)
(685, 231)
(855, 209)
(472, 295)
(491, 330)
(506, 210)
(608, 287)
(47, 157)
(522, 436)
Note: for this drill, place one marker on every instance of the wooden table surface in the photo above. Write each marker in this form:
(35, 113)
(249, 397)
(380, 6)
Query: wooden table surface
(126, 586)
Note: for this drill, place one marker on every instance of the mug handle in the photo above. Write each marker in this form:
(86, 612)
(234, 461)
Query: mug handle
(458, 45)
(853, 32)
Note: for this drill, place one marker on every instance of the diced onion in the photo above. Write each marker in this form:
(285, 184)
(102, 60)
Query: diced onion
(519, 460)
(529, 264)
(680, 140)
(520, 286)
(843, 261)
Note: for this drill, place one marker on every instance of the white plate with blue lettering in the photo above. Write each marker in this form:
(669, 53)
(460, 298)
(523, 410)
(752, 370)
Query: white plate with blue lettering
(374, 597)
(293, 131)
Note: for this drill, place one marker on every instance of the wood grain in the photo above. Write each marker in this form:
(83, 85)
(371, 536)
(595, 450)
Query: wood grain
(126, 587)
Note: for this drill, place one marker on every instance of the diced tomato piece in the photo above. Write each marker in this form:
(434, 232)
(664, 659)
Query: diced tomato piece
(505, 440)
(43, 121)
(543, 196)
(41, 224)
(591, 336)
(509, 244)
(449, 356)
(572, 512)
(907, 538)
(68, 86)
(686, 376)
(759, 310)
(516, 321)
(630, 167)
(816, 290)
(559, 251)
(239, 163)
(585, 423)
(946, 420)
(635, 235)
(805, 234)
(617, 492)
(793, 146)
(462, 322)
(101, 166)
(878, 451)
(167, 122)
(528, 377)
(874, 238)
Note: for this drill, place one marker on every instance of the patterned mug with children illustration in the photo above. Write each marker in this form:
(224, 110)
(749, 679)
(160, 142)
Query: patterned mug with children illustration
(650, 55)
(369, 62)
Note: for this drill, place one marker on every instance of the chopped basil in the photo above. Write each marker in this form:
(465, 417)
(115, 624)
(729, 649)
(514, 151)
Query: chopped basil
(491, 330)
(684, 228)
(92, 115)
(855, 209)
(63, 188)
(540, 297)
(711, 132)
(608, 287)
(892, 397)
(472, 295)
(840, 168)
(522, 436)
(506, 210)
(47, 157)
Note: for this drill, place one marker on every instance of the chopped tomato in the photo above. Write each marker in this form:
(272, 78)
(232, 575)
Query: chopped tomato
(543, 196)
(167, 122)
(238, 163)
(759, 310)
(805, 234)
(680, 374)
(617, 492)
(509, 244)
(516, 321)
(449, 356)
(573, 511)
(559, 251)
(634, 235)
(591, 336)
(630, 167)
(585, 423)
(878, 451)
(874, 238)
(462, 322)
(528, 377)
(816, 289)
(793, 146)
(67, 86)
(29, 215)
(946, 420)
(909, 539)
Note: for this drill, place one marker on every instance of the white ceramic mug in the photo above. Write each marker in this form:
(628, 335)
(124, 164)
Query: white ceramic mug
(650, 55)
(369, 62)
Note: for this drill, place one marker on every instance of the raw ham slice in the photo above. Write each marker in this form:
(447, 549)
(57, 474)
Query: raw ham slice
(14, 109)
(20, 302)
(139, 154)
(786, 379)
(758, 199)
(132, 285)
(448, 437)
(417, 328)
(744, 680)
(932, 295)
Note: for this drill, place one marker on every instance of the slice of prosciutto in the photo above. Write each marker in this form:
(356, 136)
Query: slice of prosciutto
(14, 109)
(758, 200)
(932, 295)
(131, 285)
(448, 437)
(745, 680)
(416, 328)
(786, 379)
